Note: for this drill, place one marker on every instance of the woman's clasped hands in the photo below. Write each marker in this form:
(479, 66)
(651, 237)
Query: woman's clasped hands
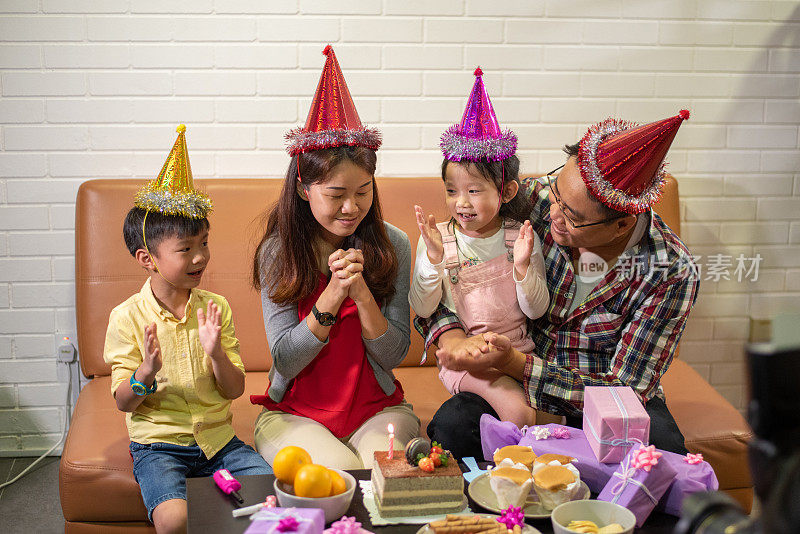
(347, 267)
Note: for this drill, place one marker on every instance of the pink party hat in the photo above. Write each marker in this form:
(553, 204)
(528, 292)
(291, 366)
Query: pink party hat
(478, 136)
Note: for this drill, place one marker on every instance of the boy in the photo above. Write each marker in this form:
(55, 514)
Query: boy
(173, 351)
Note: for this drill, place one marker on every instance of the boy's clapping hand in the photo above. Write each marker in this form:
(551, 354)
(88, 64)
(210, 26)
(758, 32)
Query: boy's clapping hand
(209, 329)
(151, 363)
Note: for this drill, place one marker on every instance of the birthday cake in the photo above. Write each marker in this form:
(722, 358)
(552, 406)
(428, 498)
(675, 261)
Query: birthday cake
(404, 489)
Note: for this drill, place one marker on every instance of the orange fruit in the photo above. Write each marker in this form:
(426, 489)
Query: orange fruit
(312, 480)
(338, 485)
(288, 461)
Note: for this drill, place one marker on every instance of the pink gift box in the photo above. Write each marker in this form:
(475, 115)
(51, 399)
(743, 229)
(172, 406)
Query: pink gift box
(274, 521)
(614, 421)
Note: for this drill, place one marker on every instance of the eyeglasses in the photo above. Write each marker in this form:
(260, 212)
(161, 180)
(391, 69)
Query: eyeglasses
(563, 207)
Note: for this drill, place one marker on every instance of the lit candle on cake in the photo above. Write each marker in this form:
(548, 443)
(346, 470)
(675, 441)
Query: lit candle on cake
(390, 428)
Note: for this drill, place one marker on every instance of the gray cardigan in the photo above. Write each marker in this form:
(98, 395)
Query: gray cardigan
(293, 346)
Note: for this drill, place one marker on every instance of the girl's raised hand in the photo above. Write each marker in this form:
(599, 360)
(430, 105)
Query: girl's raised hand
(523, 248)
(430, 235)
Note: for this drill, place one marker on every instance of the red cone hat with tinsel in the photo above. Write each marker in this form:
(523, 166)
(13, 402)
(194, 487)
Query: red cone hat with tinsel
(622, 163)
(478, 136)
(332, 120)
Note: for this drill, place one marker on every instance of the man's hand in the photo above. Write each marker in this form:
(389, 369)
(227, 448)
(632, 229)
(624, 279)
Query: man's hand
(477, 354)
(464, 354)
(209, 330)
(523, 248)
(430, 235)
(151, 364)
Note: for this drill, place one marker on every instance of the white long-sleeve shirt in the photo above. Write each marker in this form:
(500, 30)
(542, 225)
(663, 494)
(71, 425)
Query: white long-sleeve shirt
(428, 287)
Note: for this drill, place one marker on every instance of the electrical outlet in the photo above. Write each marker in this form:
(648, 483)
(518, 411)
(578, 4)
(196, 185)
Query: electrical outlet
(66, 351)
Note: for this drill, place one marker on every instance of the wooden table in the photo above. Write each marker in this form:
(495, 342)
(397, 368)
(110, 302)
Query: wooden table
(210, 510)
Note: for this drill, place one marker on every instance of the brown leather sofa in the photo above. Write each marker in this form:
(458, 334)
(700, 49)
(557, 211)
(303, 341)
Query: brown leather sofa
(98, 491)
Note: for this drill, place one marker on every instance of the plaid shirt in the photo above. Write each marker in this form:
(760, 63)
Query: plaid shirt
(624, 333)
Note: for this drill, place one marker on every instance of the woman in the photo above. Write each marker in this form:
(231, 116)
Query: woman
(334, 283)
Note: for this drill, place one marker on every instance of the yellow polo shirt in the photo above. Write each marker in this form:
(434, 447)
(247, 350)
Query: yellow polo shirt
(186, 408)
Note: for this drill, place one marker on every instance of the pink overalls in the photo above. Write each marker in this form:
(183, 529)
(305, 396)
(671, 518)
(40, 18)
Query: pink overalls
(485, 296)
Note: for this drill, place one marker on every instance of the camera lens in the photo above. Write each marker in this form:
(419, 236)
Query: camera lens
(711, 513)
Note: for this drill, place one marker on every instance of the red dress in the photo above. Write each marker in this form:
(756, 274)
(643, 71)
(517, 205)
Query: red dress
(338, 388)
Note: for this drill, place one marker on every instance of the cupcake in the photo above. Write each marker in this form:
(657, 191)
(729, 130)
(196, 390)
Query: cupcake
(555, 483)
(519, 454)
(511, 483)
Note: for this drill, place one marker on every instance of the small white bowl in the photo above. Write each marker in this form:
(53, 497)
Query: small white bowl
(333, 507)
(601, 513)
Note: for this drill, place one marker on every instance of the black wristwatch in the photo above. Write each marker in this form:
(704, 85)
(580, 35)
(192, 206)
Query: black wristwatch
(324, 318)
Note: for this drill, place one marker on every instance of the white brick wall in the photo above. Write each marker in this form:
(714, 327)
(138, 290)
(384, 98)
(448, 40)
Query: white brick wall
(94, 89)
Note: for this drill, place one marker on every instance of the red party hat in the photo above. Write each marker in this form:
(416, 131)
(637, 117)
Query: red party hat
(622, 163)
(332, 120)
(478, 136)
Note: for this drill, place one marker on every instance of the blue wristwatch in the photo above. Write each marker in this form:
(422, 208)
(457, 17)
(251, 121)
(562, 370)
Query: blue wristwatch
(140, 389)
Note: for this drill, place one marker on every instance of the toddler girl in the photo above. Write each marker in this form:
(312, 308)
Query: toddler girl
(486, 263)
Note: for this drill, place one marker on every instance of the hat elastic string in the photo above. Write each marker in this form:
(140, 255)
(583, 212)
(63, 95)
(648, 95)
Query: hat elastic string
(152, 258)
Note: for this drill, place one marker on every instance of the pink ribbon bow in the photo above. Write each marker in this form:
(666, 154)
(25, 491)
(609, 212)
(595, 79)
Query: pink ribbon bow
(511, 517)
(645, 458)
(287, 524)
(346, 525)
(693, 458)
(560, 432)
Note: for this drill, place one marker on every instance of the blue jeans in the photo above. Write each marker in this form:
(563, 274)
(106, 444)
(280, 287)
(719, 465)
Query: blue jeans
(161, 469)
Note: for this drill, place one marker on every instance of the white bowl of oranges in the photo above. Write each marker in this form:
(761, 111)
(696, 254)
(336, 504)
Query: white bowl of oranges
(300, 483)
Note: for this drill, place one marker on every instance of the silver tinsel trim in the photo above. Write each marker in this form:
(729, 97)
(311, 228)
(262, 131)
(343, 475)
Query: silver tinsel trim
(602, 188)
(457, 147)
(302, 141)
(192, 204)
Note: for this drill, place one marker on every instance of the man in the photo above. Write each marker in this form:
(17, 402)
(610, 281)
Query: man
(621, 287)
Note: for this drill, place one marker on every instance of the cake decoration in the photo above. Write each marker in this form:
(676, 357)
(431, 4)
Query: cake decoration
(415, 448)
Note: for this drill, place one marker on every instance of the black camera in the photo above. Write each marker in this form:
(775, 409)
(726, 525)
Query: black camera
(774, 452)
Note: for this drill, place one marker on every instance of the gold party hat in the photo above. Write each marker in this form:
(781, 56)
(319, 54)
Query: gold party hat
(173, 192)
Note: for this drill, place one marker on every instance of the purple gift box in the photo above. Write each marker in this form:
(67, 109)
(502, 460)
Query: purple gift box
(614, 421)
(690, 478)
(287, 521)
(639, 482)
